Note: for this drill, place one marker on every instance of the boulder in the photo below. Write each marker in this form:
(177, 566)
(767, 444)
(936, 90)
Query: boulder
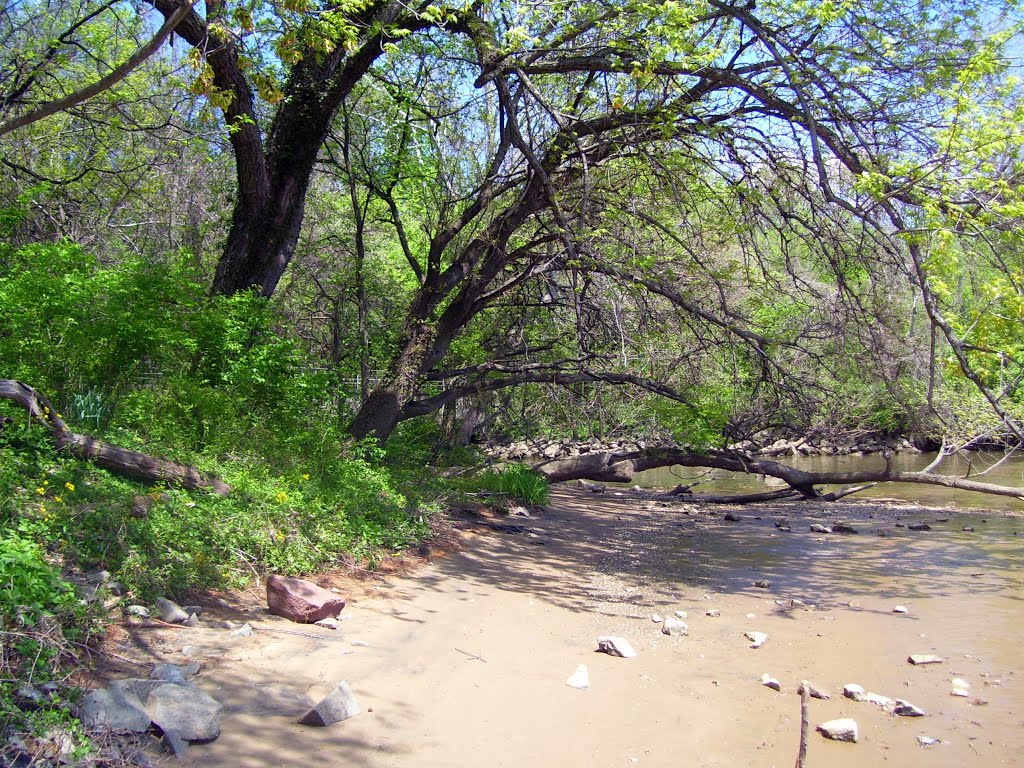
(170, 611)
(113, 709)
(185, 711)
(301, 601)
(674, 627)
(615, 646)
(580, 679)
(340, 704)
(843, 729)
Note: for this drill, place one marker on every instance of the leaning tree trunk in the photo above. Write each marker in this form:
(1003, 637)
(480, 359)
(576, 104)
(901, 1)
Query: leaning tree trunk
(133, 464)
(621, 467)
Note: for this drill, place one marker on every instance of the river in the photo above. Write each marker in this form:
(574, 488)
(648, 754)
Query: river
(1010, 472)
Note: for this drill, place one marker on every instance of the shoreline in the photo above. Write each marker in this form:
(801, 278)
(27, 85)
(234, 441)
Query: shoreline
(463, 662)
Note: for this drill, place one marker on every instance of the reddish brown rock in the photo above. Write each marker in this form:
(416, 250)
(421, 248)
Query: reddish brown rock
(301, 601)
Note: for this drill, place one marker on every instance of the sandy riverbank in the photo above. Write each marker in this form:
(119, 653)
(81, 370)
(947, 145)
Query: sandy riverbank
(464, 661)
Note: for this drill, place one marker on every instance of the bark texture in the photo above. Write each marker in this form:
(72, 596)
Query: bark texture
(122, 461)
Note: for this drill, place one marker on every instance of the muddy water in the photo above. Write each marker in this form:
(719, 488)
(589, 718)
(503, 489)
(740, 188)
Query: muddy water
(979, 466)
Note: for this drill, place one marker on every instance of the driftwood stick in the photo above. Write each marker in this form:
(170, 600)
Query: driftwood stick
(805, 702)
(122, 461)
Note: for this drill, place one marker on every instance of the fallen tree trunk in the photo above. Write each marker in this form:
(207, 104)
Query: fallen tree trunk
(742, 498)
(122, 461)
(621, 467)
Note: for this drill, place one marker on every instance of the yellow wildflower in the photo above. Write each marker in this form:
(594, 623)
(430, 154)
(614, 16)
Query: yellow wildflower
(305, 477)
(282, 497)
(41, 491)
(70, 487)
(58, 499)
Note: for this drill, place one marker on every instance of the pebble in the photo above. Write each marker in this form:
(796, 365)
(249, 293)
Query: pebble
(819, 528)
(900, 609)
(968, 529)
(731, 517)
(960, 692)
(243, 631)
(580, 679)
(919, 527)
(924, 658)
(762, 584)
(191, 621)
(751, 616)
(329, 623)
(843, 528)
(854, 691)
(615, 646)
(139, 611)
(713, 613)
(656, 618)
(757, 639)
(926, 741)
(843, 729)
(770, 682)
(680, 614)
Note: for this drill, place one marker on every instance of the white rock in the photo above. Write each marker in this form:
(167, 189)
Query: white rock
(330, 623)
(579, 679)
(960, 683)
(879, 699)
(819, 528)
(674, 627)
(713, 613)
(843, 729)
(815, 692)
(751, 616)
(924, 658)
(656, 618)
(854, 691)
(770, 682)
(243, 631)
(615, 646)
(900, 609)
(906, 709)
(757, 639)
(963, 692)
(926, 741)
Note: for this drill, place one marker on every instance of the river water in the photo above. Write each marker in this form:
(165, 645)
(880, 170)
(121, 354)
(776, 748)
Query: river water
(1010, 472)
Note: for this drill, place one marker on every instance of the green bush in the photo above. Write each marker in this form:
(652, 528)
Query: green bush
(517, 481)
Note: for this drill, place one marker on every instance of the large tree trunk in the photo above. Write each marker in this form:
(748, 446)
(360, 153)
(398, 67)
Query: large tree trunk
(122, 461)
(621, 467)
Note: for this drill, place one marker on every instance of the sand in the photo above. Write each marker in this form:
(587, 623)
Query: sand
(463, 662)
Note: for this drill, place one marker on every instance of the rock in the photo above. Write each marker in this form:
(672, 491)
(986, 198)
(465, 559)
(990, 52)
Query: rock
(819, 528)
(176, 744)
(243, 631)
(751, 616)
(843, 729)
(762, 584)
(301, 601)
(340, 704)
(770, 682)
(330, 623)
(968, 529)
(732, 517)
(854, 691)
(757, 639)
(926, 741)
(815, 692)
(924, 658)
(656, 618)
(97, 577)
(186, 711)
(962, 692)
(674, 627)
(919, 527)
(879, 699)
(175, 673)
(843, 528)
(139, 611)
(906, 709)
(115, 710)
(680, 614)
(170, 611)
(900, 609)
(713, 613)
(579, 679)
(615, 646)
(190, 609)
(960, 683)
(191, 621)
(133, 686)
(519, 512)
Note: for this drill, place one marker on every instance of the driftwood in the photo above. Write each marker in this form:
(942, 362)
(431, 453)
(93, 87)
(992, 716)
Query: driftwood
(122, 461)
(805, 722)
(743, 498)
(621, 467)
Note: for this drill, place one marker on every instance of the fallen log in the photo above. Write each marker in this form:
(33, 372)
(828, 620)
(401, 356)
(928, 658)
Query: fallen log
(744, 498)
(122, 461)
(615, 467)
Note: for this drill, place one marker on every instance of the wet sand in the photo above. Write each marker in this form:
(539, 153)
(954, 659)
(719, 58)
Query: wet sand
(464, 661)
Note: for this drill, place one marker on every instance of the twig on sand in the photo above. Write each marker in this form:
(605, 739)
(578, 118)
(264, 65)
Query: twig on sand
(805, 699)
(472, 655)
(294, 632)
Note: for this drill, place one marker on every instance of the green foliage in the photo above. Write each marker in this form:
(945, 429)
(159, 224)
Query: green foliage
(29, 586)
(517, 482)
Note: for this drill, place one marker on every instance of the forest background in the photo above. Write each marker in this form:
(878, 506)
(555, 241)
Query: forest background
(314, 248)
